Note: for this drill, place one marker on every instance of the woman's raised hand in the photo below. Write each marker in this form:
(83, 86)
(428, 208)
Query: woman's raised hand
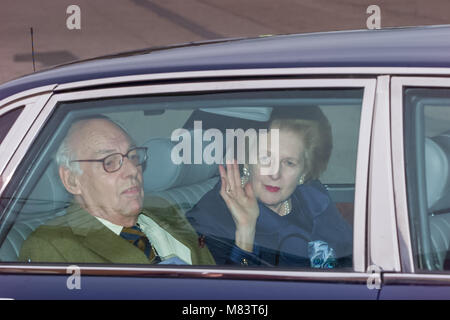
(242, 203)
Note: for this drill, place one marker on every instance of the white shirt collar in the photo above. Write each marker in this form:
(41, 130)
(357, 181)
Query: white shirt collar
(111, 226)
(165, 244)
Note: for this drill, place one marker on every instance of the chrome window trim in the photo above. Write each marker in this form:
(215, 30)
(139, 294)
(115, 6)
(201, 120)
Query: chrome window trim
(230, 73)
(382, 226)
(398, 83)
(431, 81)
(192, 75)
(211, 86)
(400, 192)
(25, 94)
(206, 272)
(32, 107)
(32, 100)
(416, 279)
(360, 247)
(16, 105)
(369, 84)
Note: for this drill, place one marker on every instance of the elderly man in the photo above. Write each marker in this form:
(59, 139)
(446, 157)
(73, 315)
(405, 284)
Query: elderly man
(110, 221)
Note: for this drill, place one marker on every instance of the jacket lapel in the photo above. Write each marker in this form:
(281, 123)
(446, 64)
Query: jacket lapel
(171, 221)
(98, 238)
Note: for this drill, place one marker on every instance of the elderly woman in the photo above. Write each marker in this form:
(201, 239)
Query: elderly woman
(285, 218)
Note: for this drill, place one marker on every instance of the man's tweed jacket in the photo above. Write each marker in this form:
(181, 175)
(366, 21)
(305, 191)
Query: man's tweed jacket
(78, 237)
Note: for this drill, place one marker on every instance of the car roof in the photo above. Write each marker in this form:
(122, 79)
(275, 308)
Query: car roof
(396, 47)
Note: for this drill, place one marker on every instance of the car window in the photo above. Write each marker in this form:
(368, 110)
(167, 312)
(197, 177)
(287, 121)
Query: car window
(98, 161)
(7, 120)
(427, 151)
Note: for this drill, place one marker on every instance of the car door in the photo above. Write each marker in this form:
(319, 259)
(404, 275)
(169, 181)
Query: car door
(420, 123)
(151, 113)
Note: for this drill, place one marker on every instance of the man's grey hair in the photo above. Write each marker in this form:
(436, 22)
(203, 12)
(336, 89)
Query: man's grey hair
(65, 154)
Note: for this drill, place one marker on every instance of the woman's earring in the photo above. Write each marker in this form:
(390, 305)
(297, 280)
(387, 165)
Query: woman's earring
(245, 176)
(302, 180)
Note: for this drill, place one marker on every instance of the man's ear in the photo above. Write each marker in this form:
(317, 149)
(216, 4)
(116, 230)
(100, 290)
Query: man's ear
(69, 180)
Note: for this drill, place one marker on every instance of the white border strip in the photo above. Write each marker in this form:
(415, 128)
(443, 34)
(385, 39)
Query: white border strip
(257, 72)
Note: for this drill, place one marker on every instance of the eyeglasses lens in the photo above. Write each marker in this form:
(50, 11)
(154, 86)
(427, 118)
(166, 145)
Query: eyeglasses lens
(114, 161)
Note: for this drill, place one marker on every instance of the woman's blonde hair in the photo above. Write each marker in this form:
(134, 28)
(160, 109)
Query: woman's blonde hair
(313, 126)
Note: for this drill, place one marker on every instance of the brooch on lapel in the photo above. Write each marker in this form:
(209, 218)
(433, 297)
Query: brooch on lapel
(321, 255)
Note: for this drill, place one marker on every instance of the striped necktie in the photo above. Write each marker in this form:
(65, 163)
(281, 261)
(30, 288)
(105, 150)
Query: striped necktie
(135, 236)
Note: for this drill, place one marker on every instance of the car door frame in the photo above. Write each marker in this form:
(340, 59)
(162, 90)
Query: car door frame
(411, 283)
(142, 86)
(32, 101)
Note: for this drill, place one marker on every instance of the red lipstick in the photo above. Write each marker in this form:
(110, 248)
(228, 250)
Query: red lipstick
(272, 189)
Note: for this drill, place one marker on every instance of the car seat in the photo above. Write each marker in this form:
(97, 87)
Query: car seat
(47, 200)
(183, 184)
(437, 162)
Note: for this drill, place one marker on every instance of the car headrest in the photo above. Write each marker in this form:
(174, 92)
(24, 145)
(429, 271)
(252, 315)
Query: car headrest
(48, 196)
(437, 162)
(161, 173)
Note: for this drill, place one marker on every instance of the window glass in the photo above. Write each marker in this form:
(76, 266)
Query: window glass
(427, 142)
(148, 176)
(7, 120)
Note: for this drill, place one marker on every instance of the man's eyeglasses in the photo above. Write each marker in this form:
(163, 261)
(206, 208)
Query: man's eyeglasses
(113, 162)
